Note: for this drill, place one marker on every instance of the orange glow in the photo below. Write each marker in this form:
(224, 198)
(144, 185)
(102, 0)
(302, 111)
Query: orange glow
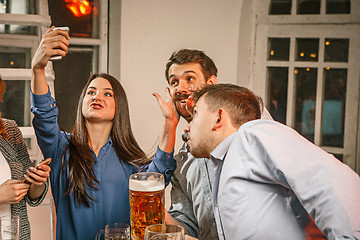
(79, 7)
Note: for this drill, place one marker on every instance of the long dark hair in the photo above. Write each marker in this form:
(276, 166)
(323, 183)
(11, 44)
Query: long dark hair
(81, 159)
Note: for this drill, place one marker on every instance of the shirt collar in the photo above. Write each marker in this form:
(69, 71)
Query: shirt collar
(110, 140)
(220, 151)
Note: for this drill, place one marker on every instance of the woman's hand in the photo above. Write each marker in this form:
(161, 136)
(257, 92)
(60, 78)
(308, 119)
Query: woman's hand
(37, 178)
(54, 42)
(12, 191)
(38, 175)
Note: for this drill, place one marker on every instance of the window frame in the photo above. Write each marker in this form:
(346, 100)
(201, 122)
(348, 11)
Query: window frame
(42, 20)
(322, 26)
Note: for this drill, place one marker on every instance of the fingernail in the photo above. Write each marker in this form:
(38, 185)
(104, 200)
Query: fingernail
(31, 169)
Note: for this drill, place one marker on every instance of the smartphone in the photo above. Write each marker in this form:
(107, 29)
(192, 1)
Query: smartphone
(45, 161)
(56, 58)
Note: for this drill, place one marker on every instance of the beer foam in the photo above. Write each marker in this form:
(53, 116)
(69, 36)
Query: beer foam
(145, 186)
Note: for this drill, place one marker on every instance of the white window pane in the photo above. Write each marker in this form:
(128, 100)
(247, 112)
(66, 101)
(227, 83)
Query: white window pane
(82, 17)
(16, 105)
(11, 57)
(338, 6)
(308, 6)
(305, 101)
(280, 7)
(18, 6)
(68, 84)
(333, 112)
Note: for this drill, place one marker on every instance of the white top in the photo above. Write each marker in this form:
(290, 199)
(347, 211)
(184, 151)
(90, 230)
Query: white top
(5, 174)
(268, 178)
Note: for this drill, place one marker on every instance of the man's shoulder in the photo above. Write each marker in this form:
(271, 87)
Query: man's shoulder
(259, 129)
(188, 166)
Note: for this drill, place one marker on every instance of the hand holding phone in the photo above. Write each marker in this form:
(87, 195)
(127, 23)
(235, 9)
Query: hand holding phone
(38, 175)
(56, 58)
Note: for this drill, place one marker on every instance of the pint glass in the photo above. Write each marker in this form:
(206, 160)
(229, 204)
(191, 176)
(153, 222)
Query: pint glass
(146, 202)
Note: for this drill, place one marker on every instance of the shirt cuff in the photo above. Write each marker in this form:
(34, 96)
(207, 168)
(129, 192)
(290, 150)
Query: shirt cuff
(167, 159)
(45, 101)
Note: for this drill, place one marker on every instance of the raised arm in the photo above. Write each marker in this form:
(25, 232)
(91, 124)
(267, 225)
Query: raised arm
(54, 42)
(43, 106)
(167, 138)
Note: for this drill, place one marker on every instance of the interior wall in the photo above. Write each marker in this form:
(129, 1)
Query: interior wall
(149, 32)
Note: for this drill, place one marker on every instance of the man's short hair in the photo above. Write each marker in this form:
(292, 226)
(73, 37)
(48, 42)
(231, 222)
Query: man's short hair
(184, 56)
(241, 104)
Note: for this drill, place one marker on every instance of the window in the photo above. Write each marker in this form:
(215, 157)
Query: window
(87, 52)
(284, 7)
(22, 24)
(308, 75)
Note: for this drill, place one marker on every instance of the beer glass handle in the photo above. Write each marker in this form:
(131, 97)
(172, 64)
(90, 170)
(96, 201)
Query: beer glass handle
(99, 233)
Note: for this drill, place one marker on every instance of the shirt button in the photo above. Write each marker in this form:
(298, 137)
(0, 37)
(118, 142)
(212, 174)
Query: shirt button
(209, 199)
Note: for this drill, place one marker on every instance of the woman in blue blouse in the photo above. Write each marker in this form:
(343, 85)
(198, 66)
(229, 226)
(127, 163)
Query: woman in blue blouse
(91, 166)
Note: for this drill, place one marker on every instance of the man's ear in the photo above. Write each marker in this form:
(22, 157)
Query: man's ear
(219, 120)
(212, 80)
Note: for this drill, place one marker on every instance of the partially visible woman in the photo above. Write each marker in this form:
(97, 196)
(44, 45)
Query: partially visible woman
(20, 181)
(92, 164)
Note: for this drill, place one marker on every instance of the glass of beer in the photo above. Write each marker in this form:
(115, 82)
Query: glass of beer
(147, 201)
(164, 231)
(114, 231)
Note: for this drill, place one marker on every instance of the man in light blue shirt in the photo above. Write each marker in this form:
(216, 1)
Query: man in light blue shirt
(268, 179)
